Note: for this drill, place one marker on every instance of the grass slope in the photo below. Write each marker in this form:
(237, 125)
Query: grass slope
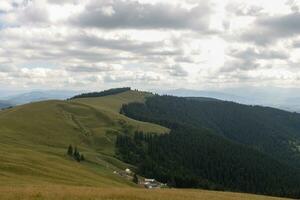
(34, 140)
(111, 105)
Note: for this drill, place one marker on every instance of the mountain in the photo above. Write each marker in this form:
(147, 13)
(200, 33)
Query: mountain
(35, 96)
(208, 94)
(282, 98)
(35, 139)
(5, 104)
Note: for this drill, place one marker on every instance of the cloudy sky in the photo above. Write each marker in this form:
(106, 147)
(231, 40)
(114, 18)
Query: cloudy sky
(197, 44)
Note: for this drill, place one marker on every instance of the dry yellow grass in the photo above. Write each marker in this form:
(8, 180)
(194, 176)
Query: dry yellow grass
(48, 192)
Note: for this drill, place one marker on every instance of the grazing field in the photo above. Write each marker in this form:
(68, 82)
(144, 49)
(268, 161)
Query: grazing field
(92, 193)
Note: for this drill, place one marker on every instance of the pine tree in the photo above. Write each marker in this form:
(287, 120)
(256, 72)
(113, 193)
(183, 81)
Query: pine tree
(70, 150)
(76, 155)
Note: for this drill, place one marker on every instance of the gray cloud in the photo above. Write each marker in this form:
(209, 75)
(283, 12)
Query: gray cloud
(265, 54)
(269, 29)
(62, 2)
(296, 44)
(33, 14)
(249, 58)
(239, 65)
(136, 47)
(88, 68)
(184, 59)
(242, 9)
(132, 77)
(134, 15)
(177, 70)
(293, 5)
(7, 68)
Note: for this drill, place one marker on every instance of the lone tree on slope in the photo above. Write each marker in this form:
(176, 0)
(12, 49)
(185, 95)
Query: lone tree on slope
(70, 150)
(76, 154)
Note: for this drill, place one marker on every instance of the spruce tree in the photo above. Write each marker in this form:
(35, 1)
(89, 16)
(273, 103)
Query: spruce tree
(70, 150)
(76, 155)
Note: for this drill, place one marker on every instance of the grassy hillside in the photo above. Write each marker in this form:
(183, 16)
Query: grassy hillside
(34, 141)
(111, 105)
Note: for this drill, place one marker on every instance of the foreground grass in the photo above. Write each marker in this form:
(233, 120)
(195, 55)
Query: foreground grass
(91, 193)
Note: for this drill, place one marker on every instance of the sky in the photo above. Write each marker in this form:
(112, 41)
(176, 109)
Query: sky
(148, 44)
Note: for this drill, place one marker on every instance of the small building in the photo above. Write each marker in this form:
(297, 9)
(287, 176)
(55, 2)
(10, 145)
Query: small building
(151, 183)
(149, 180)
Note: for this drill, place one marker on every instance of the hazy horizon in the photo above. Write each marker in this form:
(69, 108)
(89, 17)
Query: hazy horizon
(286, 99)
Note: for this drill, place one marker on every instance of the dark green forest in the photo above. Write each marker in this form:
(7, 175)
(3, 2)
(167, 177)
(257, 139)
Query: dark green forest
(268, 130)
(102, 93)
(214, 145)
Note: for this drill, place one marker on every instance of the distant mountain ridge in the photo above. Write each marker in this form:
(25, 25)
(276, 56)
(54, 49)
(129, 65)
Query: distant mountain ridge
(286, 99)
(35, 96)
(5, 104)
(208, 94)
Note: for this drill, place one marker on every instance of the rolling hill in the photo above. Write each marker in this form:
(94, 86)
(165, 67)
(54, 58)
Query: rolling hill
(35, 138)
(282, 98)
(34, 142)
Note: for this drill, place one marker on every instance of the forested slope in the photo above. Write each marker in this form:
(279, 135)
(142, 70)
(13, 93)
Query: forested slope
(214, 144)
(269, 130)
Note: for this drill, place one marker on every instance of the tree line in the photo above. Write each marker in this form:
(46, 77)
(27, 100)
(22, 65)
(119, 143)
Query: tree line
(102, 93)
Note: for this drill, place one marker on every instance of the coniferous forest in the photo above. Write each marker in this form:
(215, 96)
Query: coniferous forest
(214, 145)
(102, 93)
